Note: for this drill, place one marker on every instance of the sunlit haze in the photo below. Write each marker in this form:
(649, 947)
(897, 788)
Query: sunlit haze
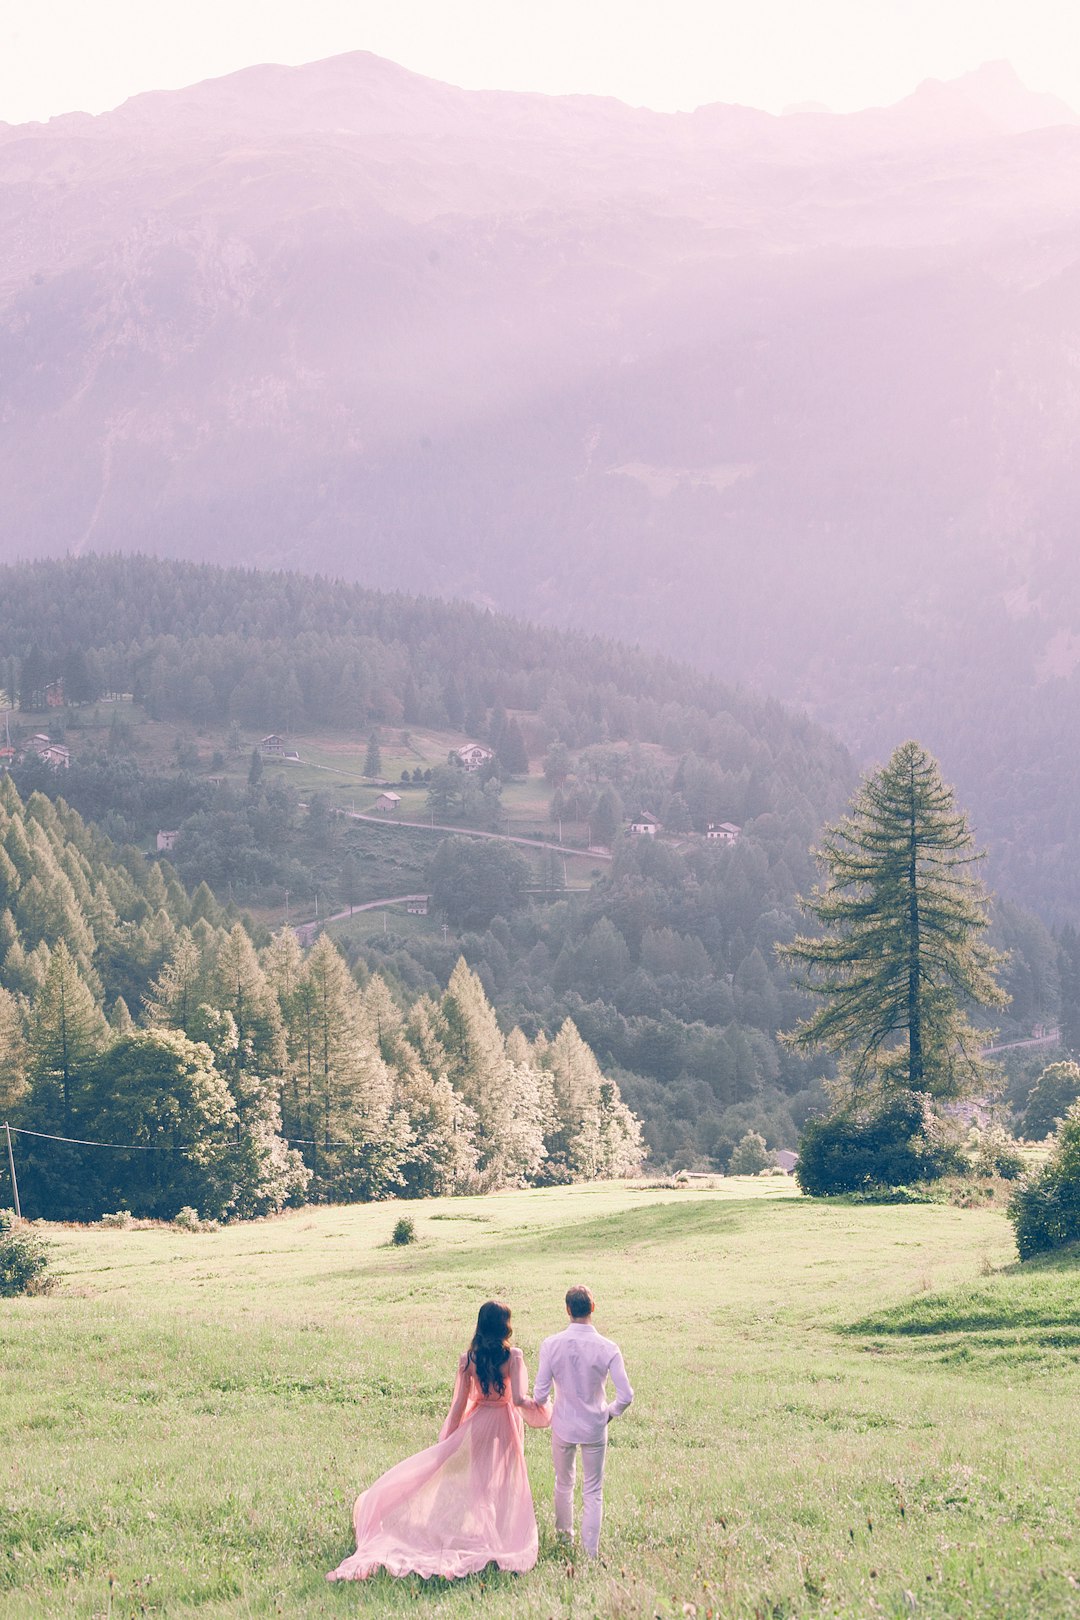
(61, 55)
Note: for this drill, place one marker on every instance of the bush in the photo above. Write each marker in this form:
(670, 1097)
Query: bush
(998, 1156)
(1050, 1099)
(1045, 1208)
(121, 1218)
(24, 1259)
(405, 1230)
(749, 1156)
(893, 1144)
(189, 1220)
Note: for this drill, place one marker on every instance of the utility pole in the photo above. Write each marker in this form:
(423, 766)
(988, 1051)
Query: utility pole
(11, 1167)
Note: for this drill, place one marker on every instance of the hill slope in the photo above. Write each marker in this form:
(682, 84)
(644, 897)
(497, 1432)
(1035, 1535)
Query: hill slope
(791, 396)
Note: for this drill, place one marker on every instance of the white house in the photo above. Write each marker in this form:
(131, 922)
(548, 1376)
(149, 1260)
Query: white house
(473, 755)
(417, 908)
(725, 831)
(167, 840)
(273, 745)
(53, 754)
(644, 826)
(388, 801)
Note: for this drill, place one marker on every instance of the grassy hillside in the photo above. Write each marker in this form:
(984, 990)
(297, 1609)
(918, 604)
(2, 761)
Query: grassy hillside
(840, 1411)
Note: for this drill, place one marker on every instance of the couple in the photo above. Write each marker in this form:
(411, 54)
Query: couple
(465, 1503)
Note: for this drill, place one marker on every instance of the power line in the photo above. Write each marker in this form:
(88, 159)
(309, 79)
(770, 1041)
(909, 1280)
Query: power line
(164, 1147)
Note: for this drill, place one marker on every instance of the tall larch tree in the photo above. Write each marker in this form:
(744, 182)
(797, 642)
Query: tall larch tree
(356, 1139)
(505, 1096)
(67, 1029)
(902, 953)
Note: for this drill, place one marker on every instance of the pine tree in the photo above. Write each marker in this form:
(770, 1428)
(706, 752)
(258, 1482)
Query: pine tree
(67, 1029)
(592, 1133)
(373, 756)
(341, 1091)
(511, 750)
(120, 1020)
(902, 949)
(14, 1053)
(240, 988)
(176, 994)
(504, 1095)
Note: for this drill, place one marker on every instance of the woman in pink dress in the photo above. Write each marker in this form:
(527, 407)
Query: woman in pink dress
(464, 1503)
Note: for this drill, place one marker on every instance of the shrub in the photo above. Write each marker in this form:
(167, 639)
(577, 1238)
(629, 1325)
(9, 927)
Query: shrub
(1050, 1099)
(121, 1218)
(1045, 1208)
(405, 1230)
(189, 1220)
(749, 1156)
(24, 1259)
(894, 1143)
(998, 1156)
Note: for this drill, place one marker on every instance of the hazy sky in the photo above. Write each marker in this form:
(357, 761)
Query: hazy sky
(58, 55)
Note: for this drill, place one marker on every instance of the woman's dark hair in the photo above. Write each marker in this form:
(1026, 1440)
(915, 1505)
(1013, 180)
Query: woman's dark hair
(490, 1348)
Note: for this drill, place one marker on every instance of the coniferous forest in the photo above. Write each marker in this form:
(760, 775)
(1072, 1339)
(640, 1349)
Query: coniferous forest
(236, 1079)
(374, 1068)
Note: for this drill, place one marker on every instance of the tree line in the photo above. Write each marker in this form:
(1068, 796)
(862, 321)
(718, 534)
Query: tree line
(238, 1079)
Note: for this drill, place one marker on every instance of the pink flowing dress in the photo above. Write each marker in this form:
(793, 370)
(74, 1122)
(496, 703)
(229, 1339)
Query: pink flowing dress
(461, 1504)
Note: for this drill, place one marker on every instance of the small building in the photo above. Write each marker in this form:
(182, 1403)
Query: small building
(167, 840)
(417, 908)
(55, 754)
(644, 825)
(473, 755)
(726, 831)
(273, 746)
(54, 695)
(388, 801)
(786, 1160)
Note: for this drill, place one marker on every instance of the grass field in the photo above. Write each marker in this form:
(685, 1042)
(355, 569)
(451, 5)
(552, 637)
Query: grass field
(840, 1411)
(330, 762)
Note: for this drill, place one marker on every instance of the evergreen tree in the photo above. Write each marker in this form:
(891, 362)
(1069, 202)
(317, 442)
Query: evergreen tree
(174, 997)
(120, 1020)
(592, 1132)
(606, 818)
(255, 769)
(14, 1053)
(505, 1096)
(510, 750)
(240, 988)
(67, 1030)
(373, 756)
(340, 1092)
(902, 947)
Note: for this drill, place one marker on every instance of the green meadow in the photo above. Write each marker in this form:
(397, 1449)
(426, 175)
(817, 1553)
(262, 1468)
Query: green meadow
(841, 1410)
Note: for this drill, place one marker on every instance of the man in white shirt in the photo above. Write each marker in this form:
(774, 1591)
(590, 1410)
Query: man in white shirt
(579, 1361)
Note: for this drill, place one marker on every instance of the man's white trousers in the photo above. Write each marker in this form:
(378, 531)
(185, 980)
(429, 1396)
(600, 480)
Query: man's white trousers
(564, 1454)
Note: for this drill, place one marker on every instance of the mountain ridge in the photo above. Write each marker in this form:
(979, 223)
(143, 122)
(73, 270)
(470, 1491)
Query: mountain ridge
(794, 405)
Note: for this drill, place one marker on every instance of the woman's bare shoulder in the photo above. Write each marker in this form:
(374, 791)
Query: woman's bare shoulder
(517, 1353)
(463, 1361)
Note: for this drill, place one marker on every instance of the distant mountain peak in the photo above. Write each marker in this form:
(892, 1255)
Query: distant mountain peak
(993, 96)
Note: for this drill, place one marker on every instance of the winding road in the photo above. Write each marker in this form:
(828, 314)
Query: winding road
(594, 851)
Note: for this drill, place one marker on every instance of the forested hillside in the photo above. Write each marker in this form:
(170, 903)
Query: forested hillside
(233, 1079)
(792, 397)
(666, 964)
